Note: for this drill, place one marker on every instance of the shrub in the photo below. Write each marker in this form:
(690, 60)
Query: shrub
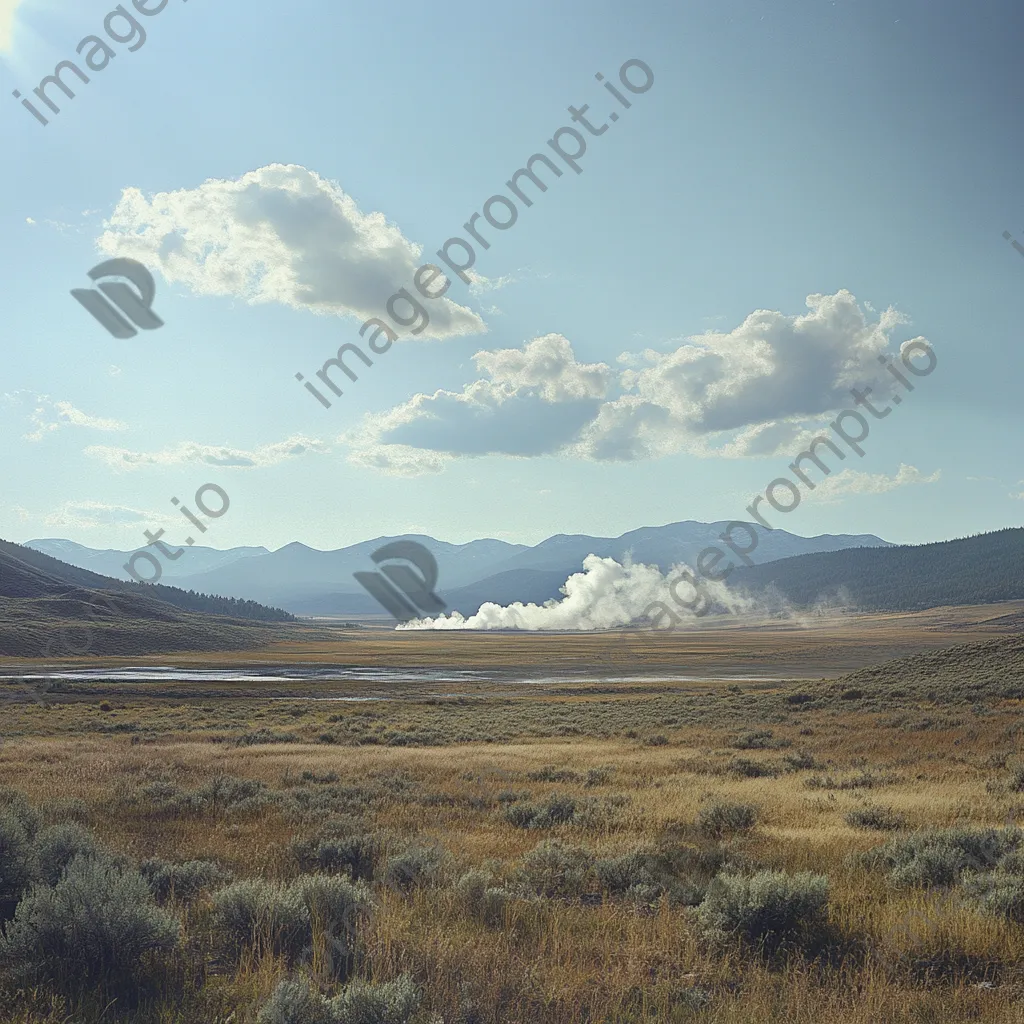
(414, 866)
(1015, 783)
(477, 898)
(355, 854)
(183, 882)
(336, 908)
(999, 895)
(95, 928)
(634, 876)
(551, 774)
(722, 817)
(554, 870)
(256, 914)
(860, 780)
(767, 909)
(761, 739)
(752, 769)
(882, 819)
(940, 857)
(230, 793)
(295, 1002)
(17, 867)
(57, 846)
(800, 761)
(390, 1002)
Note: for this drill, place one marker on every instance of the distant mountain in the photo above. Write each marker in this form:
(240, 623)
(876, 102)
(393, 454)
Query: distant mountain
(974, 570)
(310, 582)
(42, 599)
(108, 562)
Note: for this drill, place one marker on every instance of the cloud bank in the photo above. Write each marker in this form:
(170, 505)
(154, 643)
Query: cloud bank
(753, 391)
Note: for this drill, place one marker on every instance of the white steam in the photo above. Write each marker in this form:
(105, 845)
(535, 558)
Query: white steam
(609, 594)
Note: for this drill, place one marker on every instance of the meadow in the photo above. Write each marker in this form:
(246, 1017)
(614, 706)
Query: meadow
(817, 844)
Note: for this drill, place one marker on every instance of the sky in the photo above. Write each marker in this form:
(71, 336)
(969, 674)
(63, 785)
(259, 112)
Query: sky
(795, 189)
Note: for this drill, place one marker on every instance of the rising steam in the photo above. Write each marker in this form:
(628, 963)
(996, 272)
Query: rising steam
(609, 594)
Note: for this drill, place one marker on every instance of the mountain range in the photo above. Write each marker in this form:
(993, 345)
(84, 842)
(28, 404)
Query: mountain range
(307, 581)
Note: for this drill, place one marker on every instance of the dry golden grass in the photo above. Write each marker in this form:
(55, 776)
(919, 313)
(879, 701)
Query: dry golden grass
(905, 956)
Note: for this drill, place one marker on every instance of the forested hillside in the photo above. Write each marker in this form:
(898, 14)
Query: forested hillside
(973, 570)
(52, 610)
(189, 600)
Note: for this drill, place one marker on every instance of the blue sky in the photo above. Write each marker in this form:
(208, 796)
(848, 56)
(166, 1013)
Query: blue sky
(282, 168)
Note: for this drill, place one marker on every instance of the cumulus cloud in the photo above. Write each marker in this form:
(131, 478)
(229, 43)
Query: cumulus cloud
(851, 482)
(48, 415)
(752, 388)
(280, 233)
(534, 401)
(190, 452)
(762, 389)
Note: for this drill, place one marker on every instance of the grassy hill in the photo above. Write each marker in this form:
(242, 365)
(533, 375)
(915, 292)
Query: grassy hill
(962, 676)
(51, 609)
(982, 569)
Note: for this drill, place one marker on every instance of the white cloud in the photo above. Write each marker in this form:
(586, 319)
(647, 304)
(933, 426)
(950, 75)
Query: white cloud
(8, 8)
(851, 482)
(85, 514)
(481, 284)
(280, 233)
(767, 379)
(534, 401)
(763, 389)
(190, 452)
(48, 416)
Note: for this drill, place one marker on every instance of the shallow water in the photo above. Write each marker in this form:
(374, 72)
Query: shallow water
(368, 674)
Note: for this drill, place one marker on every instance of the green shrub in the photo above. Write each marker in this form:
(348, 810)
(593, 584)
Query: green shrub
(479, 899)
(800, 761)
(553, 870)
(336, 909)
(941, 857)
(998, 895)
(881, 819)
(182, 882)
(752, 769)
(767, 910)
(97, 927)
(263, 916)
(57, 846)
(389, 1002)
(413, 867)
(17, 861)
(295, 1002)
(722, 817)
